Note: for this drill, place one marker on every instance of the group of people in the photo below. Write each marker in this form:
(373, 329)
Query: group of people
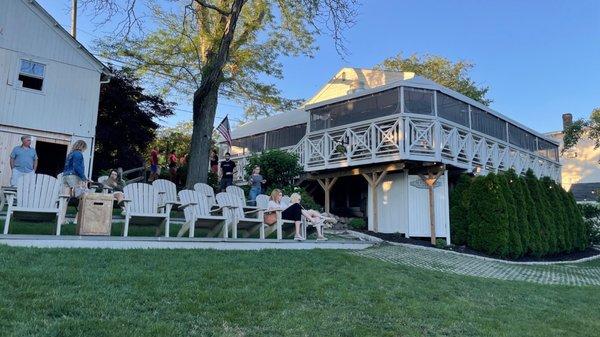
(173, 162)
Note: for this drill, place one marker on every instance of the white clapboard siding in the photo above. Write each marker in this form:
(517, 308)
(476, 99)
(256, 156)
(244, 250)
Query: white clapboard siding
(197, 213)
(233, 210)
(142, 207)
(207, 191)
(36, 194)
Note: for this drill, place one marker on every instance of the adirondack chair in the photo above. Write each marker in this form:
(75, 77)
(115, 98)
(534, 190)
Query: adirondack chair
(37, 195)
(167, 193)
(198, 214)
(143, 208)
(281, 226)
(239, 193)
(237, 219)
(102, 180)
(285, 201)
(208, 192)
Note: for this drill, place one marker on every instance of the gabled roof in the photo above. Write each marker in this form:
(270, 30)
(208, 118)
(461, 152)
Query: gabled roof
(585, 191)
(60, 30)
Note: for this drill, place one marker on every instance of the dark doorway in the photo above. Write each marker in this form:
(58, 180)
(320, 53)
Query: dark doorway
(51, 157)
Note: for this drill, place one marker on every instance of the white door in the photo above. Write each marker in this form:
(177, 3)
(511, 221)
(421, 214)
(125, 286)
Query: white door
(418, 197)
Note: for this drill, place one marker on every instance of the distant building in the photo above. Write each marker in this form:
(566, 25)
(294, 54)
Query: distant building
(580, 166)
(49, 87)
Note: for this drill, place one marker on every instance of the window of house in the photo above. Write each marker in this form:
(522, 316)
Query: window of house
(31, 75)
(487, 123)
(452, 109)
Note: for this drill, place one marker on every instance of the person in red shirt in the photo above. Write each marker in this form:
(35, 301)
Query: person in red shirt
(154, 164)
(173, 161)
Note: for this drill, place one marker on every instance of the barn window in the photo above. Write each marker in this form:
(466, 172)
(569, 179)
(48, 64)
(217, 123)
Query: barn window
(31, 75)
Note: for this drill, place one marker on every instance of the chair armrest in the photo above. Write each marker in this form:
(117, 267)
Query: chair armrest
(252, 211)
(219, 209)
(7, 193)
(126, 201)
(188, 204)
(64, 196)
(173, 202)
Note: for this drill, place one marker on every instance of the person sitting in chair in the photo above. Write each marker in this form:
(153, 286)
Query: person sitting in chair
(295, 211)
(116, 184)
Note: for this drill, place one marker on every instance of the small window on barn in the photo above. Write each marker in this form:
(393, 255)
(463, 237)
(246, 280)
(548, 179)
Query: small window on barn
(31, 75)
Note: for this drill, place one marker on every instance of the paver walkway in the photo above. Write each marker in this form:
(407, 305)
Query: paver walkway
(579, 274)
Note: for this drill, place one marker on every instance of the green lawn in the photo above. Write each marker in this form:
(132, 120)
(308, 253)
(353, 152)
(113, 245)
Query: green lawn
(59, 292)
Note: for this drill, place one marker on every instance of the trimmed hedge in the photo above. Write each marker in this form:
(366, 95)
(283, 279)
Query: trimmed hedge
(506, 215)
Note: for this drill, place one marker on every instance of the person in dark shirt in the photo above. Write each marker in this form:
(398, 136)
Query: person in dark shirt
(295, 211)
(227, 167)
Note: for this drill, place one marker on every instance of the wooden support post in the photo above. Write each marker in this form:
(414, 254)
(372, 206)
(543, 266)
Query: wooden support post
(327, 184)
(374, 180)
(430, 181)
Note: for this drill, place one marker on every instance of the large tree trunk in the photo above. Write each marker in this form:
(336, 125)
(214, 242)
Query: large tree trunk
(205, 100)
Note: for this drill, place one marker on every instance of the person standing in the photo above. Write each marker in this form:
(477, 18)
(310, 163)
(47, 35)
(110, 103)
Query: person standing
(256, 181)
(227, 167)
(214, 162)
(74, 172)
(154, 164)
(173, 161)
(23, 160)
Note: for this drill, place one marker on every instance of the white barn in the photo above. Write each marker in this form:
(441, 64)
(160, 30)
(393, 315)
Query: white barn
(49, 87)
(368, 138)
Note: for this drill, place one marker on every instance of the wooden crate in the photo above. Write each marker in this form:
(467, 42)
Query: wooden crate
(95, 214)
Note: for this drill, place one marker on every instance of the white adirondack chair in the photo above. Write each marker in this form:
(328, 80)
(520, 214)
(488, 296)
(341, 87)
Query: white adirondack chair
(198, 214)
(143, 208)
(262, 202)
(102, 180)
(37, 195)
(238, 192)
(167, 193)
(237, 220)
(285, 201)
(208, 192)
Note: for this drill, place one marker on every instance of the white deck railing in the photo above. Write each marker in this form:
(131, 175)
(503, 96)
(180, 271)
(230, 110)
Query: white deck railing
(415, 137)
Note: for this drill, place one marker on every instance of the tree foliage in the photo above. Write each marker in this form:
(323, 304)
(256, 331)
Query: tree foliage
(589, 128)
(515, 244)
(177, 138)
(126, 123)
(206, 49)
(459, 203)
(454, 75)
(279, 168)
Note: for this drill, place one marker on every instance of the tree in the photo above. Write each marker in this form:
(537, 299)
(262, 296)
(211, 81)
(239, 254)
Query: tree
(454, 75)
(488, 221)
(515, 246)
(459, 203)
(537, 246)
(210, 48)
(514, 183)
(125, 125)
(589, 128)
(177, 138)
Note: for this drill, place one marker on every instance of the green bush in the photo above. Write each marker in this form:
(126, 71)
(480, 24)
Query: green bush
(515, 185)
(357, 223)
(441, 243)
(541, 211)
(580, 236)
(459, 203)
(591, 214)
(279, 168)
(515, 246)
(488, 221)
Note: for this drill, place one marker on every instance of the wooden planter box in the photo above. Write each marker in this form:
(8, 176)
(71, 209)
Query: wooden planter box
(95, 214)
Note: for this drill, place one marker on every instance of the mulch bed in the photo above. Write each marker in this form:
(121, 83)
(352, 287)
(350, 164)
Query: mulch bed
(425, 242)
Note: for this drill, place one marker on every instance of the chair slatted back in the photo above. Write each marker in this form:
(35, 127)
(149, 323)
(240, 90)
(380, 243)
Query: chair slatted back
(168, 187)
(238, 192)
(262, 201)
(227, 200)
(144, 198)
(285, 201)
(38, 191)
(207, 191)
(200, 209)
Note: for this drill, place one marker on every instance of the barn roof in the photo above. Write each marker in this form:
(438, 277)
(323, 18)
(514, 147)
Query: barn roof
(61, 30)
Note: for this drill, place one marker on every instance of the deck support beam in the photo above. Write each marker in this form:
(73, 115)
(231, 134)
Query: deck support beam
(327, 185)
(430, 179)
(374, 179)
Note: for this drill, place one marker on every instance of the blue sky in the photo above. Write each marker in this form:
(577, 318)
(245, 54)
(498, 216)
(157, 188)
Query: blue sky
(539, 58)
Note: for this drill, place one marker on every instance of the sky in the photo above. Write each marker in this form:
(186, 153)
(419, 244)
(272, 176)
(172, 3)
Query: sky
(540, 58)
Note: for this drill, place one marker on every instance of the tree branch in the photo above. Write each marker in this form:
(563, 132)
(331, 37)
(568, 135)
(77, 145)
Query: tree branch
(213, 7)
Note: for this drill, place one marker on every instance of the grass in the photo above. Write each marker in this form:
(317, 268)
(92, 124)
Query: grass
(57, 292)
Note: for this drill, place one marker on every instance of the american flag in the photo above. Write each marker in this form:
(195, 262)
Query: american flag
(224, 130)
